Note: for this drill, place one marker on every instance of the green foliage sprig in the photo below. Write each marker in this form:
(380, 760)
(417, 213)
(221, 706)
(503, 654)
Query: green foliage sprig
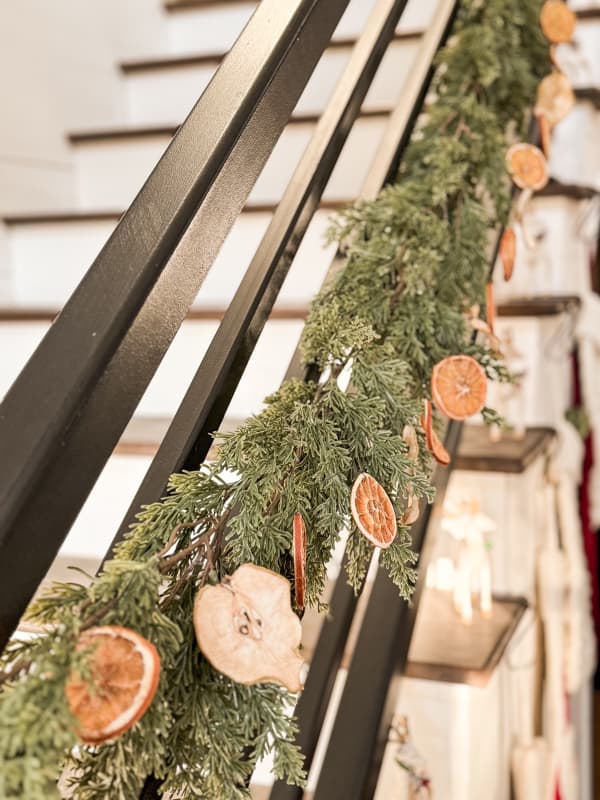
(417, 259)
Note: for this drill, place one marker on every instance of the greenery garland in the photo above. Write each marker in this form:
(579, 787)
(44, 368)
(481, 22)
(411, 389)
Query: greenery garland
(417, 260)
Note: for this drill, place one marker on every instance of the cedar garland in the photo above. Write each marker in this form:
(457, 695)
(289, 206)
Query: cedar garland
(417, 261)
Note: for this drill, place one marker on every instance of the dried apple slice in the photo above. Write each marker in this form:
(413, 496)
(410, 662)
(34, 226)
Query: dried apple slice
(555, 98)
(459, 387)
(246, 629)
(299, 552)
(372, 511)
(125, 670)
(557, 21)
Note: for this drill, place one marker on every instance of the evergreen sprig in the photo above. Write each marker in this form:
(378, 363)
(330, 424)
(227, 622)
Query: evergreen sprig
(417, 260)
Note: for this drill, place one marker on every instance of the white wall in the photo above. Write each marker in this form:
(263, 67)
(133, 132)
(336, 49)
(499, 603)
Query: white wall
(58, 62)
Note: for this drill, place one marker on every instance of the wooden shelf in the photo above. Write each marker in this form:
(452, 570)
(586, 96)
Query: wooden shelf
(539, 306)
(444, 649)
(477, 453)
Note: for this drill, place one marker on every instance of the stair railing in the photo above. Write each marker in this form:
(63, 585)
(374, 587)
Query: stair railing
(66, 411)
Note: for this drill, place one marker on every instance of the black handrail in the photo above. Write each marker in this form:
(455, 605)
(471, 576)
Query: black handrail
(67, 409)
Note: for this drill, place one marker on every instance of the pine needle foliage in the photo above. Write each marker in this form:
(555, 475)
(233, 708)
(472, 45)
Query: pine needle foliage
(416, 261)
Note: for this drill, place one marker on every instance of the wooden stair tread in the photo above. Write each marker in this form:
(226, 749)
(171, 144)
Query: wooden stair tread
(49, 217)
(209, 314)
(444, 649)
(143, 435)
(539, 306)
(178, 5)
(214, 58)
(588, 13)
(573, 191)
(477, 453)
(150, 131)
(591, 94)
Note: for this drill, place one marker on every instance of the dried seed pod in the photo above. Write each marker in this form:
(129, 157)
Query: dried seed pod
(545, 135)
(490, 306)
(413, 511)
(246, 628)
(409, 435)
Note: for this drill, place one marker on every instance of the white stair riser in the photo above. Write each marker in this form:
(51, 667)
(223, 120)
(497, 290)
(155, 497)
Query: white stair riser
(574, 155)
(48, 261)
(166, 95)
(205, 30)
(559, 263)
(263, 376)
(581, 61)
(545, 343)
(111, 172)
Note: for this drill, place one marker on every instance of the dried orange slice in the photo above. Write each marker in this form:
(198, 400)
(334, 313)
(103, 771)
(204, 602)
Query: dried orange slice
(555, 98)
(545, 136)
(125, 669)
(436, 448)
(557, 21)
(372, 511)
(459, 386)
(527, 166)
(508, 252)
(490, 306)
(299, 552)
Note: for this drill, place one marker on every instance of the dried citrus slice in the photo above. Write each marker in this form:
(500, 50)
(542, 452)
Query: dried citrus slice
(436, 448)
(557, 21)
(555, 97)
(372, 511)
(527, 166)
(299, 552)
(545, 136)
(490, 306)
(246, 628)
(508, 252)
(459, 386)
(125, 669)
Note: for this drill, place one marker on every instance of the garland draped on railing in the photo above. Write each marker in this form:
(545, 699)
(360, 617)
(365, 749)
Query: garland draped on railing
(417, 261)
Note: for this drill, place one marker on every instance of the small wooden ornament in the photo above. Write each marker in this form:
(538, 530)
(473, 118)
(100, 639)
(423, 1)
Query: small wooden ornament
(299, 553)
(508, 252)
(557, 21)
(527, 166)
(246, 629)
(373, 512)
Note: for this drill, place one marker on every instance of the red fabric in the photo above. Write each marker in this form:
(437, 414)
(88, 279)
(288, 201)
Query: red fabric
(590, 542)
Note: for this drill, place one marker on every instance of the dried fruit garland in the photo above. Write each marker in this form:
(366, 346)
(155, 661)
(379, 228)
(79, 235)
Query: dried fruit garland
(416, 266)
